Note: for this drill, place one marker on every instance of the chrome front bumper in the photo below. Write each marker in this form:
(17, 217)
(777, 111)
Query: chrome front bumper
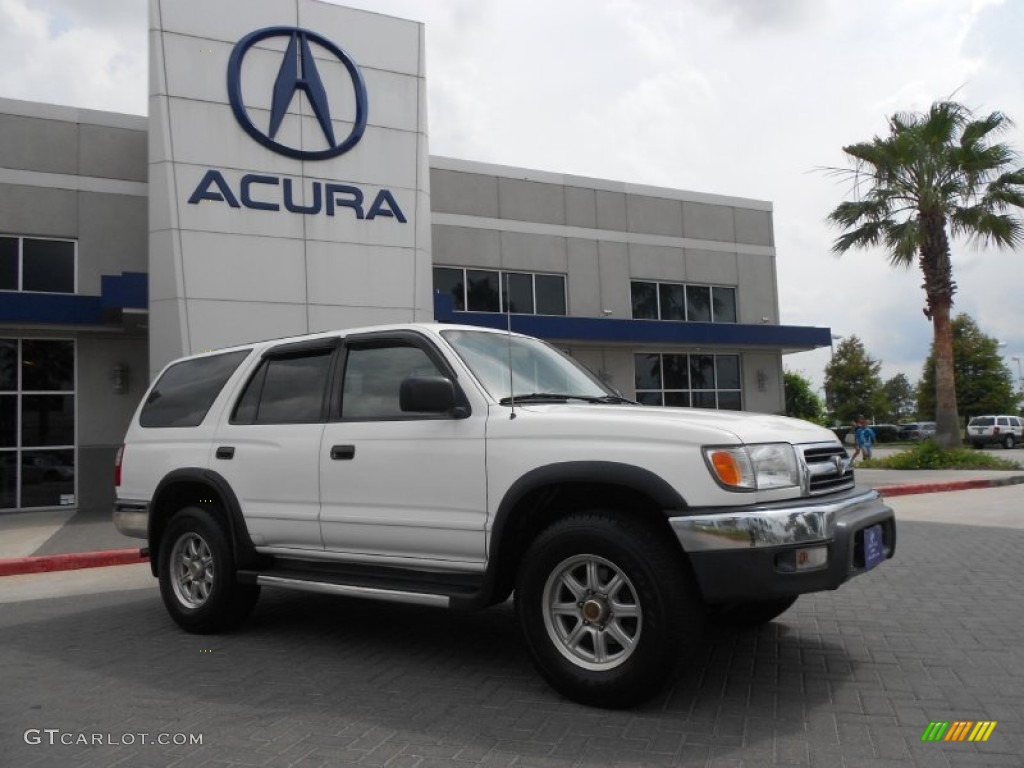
(740, 554)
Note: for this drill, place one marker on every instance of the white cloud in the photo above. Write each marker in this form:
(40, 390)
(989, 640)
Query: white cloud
(739, 97)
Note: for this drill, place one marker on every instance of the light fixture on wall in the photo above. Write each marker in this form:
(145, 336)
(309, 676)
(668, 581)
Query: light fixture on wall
(762, 380)
(119, 378)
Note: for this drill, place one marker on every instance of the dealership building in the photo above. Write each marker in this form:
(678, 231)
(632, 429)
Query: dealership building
(282, 184)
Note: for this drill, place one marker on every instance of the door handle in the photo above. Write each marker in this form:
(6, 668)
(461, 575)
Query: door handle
(343, 452)
(225, 452)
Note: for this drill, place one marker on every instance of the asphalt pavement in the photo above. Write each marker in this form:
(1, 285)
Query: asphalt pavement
(95, 674)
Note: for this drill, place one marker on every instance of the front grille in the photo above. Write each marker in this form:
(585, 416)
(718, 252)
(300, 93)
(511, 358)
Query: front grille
(830, 468)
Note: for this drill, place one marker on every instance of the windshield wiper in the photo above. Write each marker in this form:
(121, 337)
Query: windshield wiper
(561, 397)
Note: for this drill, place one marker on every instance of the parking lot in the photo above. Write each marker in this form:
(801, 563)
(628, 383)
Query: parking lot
(850, 678)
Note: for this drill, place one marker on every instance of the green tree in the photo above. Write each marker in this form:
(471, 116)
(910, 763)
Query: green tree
(852, 384)
(801, 400)
(984, 383)
(936, 175)
(902, 398)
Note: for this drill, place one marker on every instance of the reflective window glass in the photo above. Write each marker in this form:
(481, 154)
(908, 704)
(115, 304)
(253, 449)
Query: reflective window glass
(704, 400)
(8, 479)
(8, 421)
(186, 390)
(47, 365)
(293, 390)
(518, 293)
(677, 399)
(702, 371)
(724, 300)
(48, 266)
(483, 291)
(550, 294)
(676, 375)
(450, 282)
(729, 401)
(47, 420)
(647, 371)
(728, 367)
(47, 478)
(648, 398)
(8, 263)
(673, 301)
(645, 300)
(8, 365)
(698, 304)
(373, 379)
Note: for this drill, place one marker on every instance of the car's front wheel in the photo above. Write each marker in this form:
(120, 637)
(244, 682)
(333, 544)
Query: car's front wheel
(1009, 441)
(608, 609)
(197, 574)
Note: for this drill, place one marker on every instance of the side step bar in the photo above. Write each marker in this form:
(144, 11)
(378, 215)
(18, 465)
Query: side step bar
(351, 590)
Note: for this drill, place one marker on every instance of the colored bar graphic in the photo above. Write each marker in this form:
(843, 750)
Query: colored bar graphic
(959, 730)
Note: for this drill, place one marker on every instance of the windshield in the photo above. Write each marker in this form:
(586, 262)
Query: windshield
(537, 367)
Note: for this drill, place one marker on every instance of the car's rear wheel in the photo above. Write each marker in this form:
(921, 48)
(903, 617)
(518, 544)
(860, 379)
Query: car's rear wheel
(608, 609)
(197, 574)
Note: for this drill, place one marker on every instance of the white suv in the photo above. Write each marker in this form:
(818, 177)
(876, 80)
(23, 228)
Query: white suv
(995, 430)
(454, 466)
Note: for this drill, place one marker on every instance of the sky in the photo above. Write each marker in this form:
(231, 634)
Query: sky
(749, 98)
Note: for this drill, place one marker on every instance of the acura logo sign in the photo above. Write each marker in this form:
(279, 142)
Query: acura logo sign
(298, 72)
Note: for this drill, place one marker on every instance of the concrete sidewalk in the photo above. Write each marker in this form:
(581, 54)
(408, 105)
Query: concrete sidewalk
(54, 540)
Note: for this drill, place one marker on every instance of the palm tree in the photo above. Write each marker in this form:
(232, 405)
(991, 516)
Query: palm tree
(937, 175)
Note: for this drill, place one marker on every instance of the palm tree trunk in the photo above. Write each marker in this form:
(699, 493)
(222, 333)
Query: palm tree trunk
(947, 418)
(939, 288)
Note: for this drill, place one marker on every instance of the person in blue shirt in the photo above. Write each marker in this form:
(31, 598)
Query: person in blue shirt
(864, 437)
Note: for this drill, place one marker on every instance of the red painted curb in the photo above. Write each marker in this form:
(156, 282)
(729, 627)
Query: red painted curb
(72, 561)
(955, 485)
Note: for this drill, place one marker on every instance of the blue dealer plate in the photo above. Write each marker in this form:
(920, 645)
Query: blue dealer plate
(874, 546)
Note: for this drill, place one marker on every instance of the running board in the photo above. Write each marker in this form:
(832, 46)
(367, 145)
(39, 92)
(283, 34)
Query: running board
(350, 590)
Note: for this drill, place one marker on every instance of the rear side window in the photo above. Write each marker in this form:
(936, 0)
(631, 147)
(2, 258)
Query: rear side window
(184, 394)
(286, 390)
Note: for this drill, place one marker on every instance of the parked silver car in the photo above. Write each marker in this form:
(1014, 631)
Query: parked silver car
(917, 430)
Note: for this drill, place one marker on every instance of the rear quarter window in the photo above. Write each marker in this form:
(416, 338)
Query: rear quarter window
(185, 392)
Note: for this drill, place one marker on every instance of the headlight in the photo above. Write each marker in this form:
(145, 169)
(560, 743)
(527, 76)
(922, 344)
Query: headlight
(754, 467)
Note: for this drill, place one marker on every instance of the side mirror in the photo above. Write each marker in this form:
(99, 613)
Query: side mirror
(429, 394)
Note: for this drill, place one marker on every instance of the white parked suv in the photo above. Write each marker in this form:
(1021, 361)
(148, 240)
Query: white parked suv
(1006, 431)
(456, 466)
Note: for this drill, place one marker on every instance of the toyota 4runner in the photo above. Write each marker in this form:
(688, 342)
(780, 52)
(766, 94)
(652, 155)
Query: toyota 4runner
(456, 466)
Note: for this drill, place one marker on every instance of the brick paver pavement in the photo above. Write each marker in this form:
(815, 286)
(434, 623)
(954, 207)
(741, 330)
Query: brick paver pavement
(844, 679)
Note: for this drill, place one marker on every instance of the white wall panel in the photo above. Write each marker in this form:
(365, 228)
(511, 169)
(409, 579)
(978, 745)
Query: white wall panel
(245, 272)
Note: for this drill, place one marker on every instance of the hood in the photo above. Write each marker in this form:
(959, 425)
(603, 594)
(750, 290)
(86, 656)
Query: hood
(697, 425)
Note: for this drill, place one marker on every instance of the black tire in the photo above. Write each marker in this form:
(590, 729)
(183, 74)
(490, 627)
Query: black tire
(197, 574)
(1009, 442)
(751, 614)
(660, 613)
(978, 446)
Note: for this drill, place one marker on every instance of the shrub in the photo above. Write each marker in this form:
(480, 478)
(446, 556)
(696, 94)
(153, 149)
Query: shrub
(928, 455)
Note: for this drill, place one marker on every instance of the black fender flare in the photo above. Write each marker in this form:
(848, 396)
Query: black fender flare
(241, 541)
(597, 472)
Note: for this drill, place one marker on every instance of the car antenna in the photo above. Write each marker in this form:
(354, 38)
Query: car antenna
(508, 339)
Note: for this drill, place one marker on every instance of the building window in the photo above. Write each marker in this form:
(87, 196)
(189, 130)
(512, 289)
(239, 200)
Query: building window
(688, 381)
(676, 301)
(491, 290)
(37, 423)
(36, 264)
